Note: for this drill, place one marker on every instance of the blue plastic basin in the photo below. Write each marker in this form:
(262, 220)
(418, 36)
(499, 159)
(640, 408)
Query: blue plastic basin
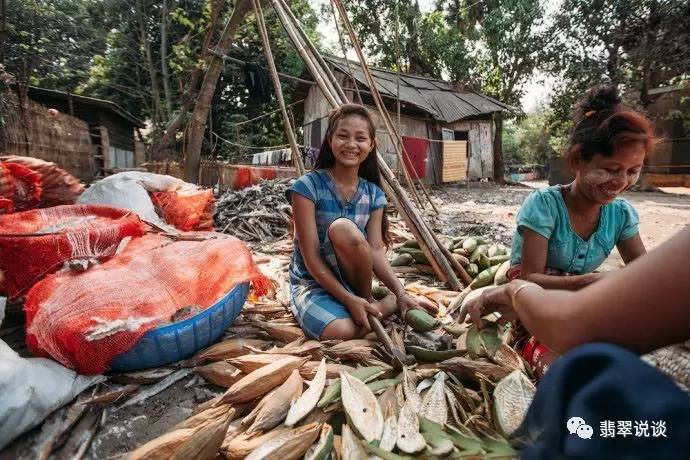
(173, 342)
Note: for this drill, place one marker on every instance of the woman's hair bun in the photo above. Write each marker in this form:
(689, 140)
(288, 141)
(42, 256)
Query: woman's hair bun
(601, 97)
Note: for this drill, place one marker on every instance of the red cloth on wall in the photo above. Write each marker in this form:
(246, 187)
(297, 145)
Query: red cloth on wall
(415, 161)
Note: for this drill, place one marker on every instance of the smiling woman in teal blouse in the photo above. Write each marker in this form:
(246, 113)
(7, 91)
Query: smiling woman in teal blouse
(571, 229)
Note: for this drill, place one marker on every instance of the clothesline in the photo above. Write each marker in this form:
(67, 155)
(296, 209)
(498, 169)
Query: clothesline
(271, 147)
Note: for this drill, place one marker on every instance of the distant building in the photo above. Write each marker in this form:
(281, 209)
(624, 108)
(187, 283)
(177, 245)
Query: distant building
(448, 133)
(672, 155)
(88, 137)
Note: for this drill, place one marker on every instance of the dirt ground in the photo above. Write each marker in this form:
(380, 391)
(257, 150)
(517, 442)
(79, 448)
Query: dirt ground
(486, 209)
(480, 209)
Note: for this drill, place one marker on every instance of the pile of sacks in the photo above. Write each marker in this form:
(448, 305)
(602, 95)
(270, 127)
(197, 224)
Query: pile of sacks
(98, 274)
(28, 183)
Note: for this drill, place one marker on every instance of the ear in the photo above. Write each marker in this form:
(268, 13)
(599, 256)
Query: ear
(574, 158)
(374, 144)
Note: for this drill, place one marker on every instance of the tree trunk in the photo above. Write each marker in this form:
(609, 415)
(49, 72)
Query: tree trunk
(187, 97)
(197, 124)
(499, 167)
(165, 74)
(3, 31)
(146, 45)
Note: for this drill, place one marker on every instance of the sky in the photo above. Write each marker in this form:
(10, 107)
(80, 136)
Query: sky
(537, 90)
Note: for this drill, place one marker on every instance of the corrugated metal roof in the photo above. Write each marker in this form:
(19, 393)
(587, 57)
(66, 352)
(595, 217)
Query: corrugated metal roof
(436, 97)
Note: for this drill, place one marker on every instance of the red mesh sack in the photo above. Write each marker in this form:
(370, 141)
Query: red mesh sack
(37, 242)
(186, 209)
(57, 185)
(20, 185)
(83, 320)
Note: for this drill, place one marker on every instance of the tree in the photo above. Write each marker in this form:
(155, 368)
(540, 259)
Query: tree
(635, 44)
(51, 43)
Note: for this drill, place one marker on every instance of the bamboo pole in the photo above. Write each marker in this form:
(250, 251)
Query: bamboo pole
(331, 93)
(406, 208)
(313, 50)
(376, 95)
(419, 180)
(289, 129)
(428, 240)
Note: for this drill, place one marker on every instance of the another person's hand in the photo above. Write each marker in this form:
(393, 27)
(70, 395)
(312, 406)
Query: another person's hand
(407, 302)
(358, 308)
(492, 300)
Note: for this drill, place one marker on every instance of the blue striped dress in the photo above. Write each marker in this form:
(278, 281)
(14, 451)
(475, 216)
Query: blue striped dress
(311, 304)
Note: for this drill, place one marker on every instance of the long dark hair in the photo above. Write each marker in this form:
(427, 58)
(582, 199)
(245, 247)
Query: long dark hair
(603, 123)
(369, 168)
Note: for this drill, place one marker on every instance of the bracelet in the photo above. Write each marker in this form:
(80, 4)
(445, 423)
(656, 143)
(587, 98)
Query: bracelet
(513, 297)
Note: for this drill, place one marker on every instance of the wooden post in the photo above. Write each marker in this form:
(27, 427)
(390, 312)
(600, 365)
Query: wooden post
(105, 149)
(499, 167)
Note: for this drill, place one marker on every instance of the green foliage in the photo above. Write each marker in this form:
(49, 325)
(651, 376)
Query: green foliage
(52, 43)
(529, 141)
(101, 48)
(494, 45)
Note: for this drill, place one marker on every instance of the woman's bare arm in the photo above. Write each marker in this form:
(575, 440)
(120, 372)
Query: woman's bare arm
(644, 306)
(534, 254)
(631, 249)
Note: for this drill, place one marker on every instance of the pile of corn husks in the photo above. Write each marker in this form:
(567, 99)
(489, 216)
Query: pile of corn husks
(257, 213)
(288, 397)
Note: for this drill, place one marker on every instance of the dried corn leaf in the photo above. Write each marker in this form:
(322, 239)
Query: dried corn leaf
(210, 415)
(225, 349)
(163, 447)
(350, 352)
(512, 397)
(390, 434)
(351, 447)
(473, 369)
(262, 380)
(411, 396)
(307, 402)
(274, 407)
(507, 357)
(307, 348)
(434, 405)
(333, 370)
(289, 445)
(242, 444)
(409, 440)
(205, 443)
(388, 400)
(361, 407)
(284, 333)
(251, 362)
(219, 373)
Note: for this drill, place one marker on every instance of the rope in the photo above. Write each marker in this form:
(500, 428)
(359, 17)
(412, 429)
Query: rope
(342, 47)
(266, 148)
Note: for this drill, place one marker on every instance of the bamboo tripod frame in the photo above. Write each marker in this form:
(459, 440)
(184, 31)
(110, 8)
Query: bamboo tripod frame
(441, 261)
(289, 129)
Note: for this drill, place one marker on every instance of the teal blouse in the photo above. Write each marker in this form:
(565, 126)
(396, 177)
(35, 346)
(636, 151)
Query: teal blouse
(544, 212)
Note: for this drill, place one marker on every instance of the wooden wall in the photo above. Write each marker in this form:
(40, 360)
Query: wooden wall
(480, 132)
(481, 146)
(60, 138)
